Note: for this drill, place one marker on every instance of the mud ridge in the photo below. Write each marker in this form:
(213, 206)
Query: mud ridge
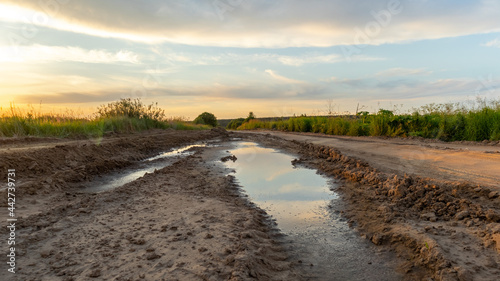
(60, 166)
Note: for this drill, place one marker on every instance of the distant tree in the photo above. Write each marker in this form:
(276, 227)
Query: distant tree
(206, 118)
(330, 107)
(250, 116)
(385, 112)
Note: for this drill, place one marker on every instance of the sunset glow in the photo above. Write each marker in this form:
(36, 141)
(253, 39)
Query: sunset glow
(273, 58)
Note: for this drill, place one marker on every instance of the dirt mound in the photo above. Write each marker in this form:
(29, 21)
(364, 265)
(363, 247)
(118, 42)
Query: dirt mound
(426, 216)
(57, 167)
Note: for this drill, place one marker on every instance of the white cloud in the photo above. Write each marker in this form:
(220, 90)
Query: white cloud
(300, 60)
(262, 23)
(398, 71)
(493, 43)
(40, 53)
(282, 78)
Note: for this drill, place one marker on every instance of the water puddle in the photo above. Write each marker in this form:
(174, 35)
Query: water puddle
(184, 151)
(298, 198)
(149, 165)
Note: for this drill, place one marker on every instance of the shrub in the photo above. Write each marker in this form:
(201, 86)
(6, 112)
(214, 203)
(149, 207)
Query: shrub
(131, 108)
(206, 118)
(235, 123)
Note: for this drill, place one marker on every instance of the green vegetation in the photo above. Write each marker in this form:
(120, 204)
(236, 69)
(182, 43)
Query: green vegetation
(234, 124)
(251, 116)
(206, 118)
(125, 115)
(448, 122)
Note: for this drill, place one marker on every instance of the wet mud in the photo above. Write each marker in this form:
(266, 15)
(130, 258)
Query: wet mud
(189, 220)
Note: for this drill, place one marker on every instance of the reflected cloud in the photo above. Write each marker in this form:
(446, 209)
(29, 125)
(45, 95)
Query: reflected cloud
(295, 196)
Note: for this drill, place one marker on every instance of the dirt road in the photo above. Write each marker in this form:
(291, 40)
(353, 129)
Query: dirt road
(184, 222)
(187, 221)
(444, 222)
(466, 161)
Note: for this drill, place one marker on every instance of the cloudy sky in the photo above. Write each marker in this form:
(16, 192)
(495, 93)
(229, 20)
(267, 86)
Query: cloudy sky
(228, 57)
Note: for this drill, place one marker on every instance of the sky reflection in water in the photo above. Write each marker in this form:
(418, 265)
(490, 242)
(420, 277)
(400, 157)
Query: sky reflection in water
(295, 197)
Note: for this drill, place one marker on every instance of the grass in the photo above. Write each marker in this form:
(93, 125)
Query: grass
(125, 115)
(448, 122)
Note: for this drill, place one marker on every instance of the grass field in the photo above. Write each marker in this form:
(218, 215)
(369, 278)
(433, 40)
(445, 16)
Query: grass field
(448, 122)
(125, 115)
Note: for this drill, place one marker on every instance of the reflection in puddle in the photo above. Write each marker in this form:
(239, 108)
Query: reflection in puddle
(297, 198)
(176, 152)
(148, 165)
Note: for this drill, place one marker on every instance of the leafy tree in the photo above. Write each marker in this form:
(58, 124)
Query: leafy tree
(206, 118)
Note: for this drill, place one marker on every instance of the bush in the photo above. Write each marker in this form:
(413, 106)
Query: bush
(131, 108)
(206, 118)
(235, 123)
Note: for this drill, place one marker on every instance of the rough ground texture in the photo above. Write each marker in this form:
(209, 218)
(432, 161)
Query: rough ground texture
(423, 199)
(184, 222)
(445, 230)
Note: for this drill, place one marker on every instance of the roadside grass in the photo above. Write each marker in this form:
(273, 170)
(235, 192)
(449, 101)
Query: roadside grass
(125, 115)
(447, 122)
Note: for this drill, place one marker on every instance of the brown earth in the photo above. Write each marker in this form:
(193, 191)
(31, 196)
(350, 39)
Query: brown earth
(444, 222)
(184, 222)
(433, 203)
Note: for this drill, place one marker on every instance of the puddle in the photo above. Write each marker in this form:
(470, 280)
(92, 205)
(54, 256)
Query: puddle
(149, 165)
(177, 152)
(298, 199)
(295, 197)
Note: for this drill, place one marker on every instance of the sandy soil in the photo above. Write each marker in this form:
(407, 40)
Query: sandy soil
(435, 204)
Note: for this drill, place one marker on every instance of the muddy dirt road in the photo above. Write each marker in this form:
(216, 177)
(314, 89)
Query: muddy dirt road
(466, 161)
(444, 223)
(188, 220)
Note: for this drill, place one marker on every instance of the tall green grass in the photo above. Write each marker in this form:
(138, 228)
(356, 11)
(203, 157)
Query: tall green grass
(448, 122)
(125, 115)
